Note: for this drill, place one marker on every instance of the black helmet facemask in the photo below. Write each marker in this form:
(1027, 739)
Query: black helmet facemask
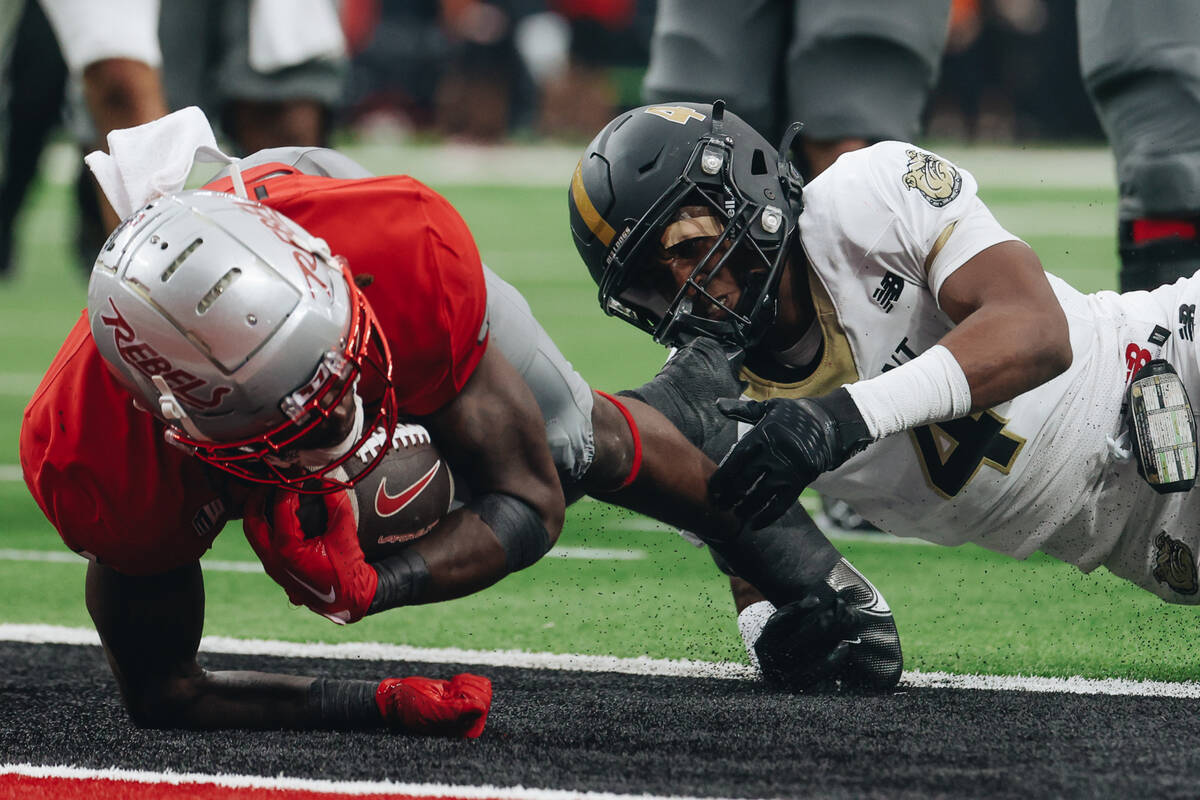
(727, 220)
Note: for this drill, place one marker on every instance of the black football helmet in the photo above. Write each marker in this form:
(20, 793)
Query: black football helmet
(699, 166)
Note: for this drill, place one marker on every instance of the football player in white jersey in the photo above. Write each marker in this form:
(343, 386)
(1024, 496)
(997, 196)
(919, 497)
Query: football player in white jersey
(903, 351)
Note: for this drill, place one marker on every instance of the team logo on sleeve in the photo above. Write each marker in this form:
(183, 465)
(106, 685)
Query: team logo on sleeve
(1174, 564)
(936, 180)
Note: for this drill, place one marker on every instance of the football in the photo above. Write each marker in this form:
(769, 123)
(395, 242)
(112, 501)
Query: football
(404, 496)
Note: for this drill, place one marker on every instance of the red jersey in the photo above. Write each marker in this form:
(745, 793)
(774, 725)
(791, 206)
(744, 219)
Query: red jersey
(100, 469)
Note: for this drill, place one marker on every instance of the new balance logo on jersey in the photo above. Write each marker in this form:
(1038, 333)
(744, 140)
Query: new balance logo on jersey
(1136, 357)
(1187, 321)
(889, 291)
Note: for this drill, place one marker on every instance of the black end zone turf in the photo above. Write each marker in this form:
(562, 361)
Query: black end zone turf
(635, 734)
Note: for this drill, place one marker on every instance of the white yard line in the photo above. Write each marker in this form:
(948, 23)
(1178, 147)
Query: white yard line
(54, 634)
(320, 786)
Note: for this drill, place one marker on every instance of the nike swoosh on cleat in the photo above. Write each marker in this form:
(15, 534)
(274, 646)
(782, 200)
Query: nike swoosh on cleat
(388, 504)
(324, 597)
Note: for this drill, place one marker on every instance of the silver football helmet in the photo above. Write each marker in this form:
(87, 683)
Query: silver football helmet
(243, 333)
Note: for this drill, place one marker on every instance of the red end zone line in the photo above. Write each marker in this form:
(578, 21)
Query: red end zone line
(23, 787)
(28, 782)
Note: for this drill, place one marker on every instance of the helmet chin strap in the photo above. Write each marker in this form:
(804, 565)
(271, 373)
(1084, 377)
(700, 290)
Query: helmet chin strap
(215, 155)
(173, 410)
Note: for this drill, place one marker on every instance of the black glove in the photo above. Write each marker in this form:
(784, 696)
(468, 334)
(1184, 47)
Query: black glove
(806, 644)
(792, 442)
(686, 389)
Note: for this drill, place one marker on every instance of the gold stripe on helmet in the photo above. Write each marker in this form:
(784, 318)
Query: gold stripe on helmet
(591, 217)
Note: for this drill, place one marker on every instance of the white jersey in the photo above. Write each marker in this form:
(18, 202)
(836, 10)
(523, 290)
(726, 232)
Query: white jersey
(882, 229)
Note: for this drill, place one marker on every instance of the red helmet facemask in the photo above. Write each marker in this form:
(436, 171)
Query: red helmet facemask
(364, 365)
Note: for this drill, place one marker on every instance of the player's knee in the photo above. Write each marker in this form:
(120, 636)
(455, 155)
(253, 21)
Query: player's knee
(123, 89)
(160, 705)
(261, 124)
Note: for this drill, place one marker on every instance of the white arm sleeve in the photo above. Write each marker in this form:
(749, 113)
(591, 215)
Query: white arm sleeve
(930, 388)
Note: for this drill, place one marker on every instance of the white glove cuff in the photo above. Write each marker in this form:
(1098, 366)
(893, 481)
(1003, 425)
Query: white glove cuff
(930, 388)
(751, 622)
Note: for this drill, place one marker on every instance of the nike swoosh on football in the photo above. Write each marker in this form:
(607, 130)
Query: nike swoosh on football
(324, 597)
(388, 504)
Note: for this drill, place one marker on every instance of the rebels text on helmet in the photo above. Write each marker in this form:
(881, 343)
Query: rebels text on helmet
(149, 362)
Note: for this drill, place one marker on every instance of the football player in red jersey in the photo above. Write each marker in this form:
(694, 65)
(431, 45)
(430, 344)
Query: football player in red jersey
(255, 358)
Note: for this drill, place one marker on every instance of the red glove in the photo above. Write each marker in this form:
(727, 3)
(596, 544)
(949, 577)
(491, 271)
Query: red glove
(457, 707)
(327, 573)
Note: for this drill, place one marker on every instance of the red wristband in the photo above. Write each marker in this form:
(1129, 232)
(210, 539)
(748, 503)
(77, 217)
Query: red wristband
(637, 439)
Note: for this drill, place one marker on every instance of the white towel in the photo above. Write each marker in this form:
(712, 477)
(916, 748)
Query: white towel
(153, 159)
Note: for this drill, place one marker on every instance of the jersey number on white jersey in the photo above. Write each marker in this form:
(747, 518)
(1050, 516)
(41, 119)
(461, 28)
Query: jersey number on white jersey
(952, 452)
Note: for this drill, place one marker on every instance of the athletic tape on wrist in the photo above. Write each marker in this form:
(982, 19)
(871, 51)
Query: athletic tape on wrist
(930, 388)
(344, 703)
(517, 525)
(403, 579)
(636, 466)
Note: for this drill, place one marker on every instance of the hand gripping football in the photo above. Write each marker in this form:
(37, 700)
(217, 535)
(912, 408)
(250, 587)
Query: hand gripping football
(404, 496)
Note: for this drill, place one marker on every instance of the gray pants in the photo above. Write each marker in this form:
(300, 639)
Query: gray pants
(850, 68)
(1141, 64)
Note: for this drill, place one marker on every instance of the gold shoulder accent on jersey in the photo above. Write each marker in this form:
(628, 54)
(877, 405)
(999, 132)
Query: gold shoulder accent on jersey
(587, 212)
(837, 361)
(936, 180)
(938, 245)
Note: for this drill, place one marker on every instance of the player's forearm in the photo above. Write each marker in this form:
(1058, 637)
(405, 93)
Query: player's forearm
(671, 479)
(256, 701)
(470, 549)
(1007, 350)
(456, 707)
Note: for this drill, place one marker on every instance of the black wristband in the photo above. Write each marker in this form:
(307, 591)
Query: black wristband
(403, 580)
(517, 525)
(344, 703)
(850, 428)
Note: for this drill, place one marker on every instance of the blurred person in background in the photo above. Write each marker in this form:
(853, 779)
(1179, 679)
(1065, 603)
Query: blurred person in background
(1010, 73)
(32, 81)
(270, 70)
(1141, 65)
(856, 72)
